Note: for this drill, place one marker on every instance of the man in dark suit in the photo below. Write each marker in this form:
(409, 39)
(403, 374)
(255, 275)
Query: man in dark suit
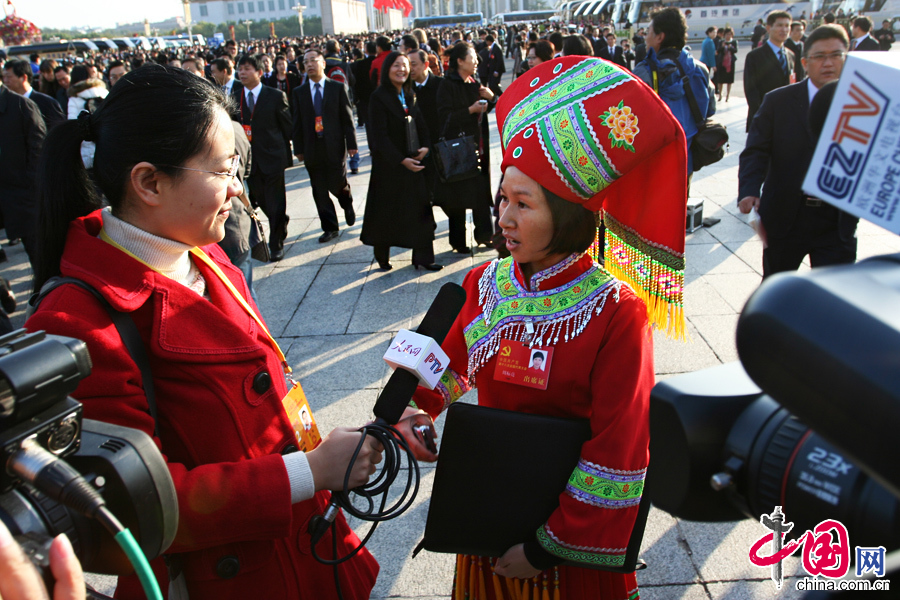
(491, 65)
(426, 87)
(22, 134)
(862, 41)
(17, 77)
(610, 51)
(795, 43)
(770, 66)
(363, 88)
(779, 149)
(323, 134)
(266, 118)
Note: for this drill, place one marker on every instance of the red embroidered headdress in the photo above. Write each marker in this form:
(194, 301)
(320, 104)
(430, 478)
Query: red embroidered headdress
(592, 133)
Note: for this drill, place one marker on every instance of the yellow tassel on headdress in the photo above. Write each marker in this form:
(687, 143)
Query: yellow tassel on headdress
(659, 286)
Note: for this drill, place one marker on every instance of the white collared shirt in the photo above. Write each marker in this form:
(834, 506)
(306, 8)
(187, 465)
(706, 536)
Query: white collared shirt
(255, 91)
(811, 89)
(312, 86)
(229, 85)
(427, 75)
(28, 93)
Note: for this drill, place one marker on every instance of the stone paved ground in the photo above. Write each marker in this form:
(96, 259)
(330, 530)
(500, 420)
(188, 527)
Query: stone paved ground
(334, 312)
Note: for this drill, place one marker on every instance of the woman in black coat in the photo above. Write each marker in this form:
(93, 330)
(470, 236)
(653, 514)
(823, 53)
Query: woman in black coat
(398, 212)
(726, 64)
(463, 105)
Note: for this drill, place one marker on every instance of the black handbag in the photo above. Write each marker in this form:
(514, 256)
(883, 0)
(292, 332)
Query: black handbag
(485, 454)
(711, 140)
(456, 159)
(259, 247)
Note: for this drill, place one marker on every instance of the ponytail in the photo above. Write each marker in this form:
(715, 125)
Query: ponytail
(161, 115)
(65, 192)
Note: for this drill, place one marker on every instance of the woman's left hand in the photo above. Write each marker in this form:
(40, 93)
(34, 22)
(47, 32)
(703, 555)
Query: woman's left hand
(513, 564)
(486, 93)
(421, 154)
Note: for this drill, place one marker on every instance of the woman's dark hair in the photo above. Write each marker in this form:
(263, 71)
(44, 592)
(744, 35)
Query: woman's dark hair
(537, 354)
(79, 73)
(542, 49)
(574, 226)
(577, 45)
(161, 115)
(456, 53)
(385, 75)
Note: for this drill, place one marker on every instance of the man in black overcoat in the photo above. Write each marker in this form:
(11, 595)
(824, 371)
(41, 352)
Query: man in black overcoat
(425, 86)
(17, 77)
(491, 65)
(778, 153)
(266, 118)
(22, 133)
(323, 134)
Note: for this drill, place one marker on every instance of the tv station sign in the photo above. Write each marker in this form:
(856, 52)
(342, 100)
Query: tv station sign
(856, 166)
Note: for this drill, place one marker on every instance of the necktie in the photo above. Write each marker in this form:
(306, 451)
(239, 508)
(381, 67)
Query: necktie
(317, 100)
(225, 89)
(250, 102)
(783, 60)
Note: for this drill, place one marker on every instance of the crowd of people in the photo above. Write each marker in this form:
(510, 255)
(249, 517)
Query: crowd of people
(129, 169)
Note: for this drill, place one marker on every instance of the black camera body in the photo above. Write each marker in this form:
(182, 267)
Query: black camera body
(37, 373)
(807, 420)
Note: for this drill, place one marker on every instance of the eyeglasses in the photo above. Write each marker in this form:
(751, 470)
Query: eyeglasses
(231, 172)
(836, 56)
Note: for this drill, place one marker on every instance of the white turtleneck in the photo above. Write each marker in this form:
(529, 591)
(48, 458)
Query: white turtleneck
(173, 260)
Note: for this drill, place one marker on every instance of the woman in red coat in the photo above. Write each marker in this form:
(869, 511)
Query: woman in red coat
(166, 162)
(579, 135)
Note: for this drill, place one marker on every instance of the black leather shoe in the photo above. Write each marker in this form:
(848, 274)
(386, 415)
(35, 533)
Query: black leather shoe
(463, 250)
(354, 171)
(385, 266)
(327, 236)
(350, 216)
(276, 255)
(431, 267)
(14, 242)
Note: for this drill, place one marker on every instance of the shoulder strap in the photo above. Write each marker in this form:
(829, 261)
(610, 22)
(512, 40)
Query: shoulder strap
(689, 92)
(127, 331)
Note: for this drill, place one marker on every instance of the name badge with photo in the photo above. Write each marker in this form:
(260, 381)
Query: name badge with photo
(249, 132)
(521, 365)
(320, 127)
(296, 406)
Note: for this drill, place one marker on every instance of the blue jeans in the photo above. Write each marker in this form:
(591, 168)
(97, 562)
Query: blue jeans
(354, 161)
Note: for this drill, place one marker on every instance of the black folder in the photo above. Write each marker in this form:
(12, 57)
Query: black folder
(499, 477)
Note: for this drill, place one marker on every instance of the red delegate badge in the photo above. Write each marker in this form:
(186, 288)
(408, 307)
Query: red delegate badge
(302, 421)
(521, 365)
(249, 132)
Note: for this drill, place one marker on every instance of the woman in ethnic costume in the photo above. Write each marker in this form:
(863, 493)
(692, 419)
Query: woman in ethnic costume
(580, 136)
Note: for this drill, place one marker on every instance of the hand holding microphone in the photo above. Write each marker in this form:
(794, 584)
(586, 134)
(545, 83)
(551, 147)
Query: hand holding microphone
(337, 448)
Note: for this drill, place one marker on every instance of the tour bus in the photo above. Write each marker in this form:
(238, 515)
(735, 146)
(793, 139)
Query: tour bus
(448, 20)
(60, 49)
(184, 40)
(523, 16)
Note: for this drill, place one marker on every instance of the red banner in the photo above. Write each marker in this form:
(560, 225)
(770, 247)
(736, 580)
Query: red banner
(231, 31)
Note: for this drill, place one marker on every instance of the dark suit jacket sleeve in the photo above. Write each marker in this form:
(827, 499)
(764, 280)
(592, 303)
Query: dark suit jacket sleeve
(754, 161)
(298, 133)
(283, 117)
(347, 119)
(35, 132)
(50, 109)
(751, 71)
(421, 127)
(379, 141)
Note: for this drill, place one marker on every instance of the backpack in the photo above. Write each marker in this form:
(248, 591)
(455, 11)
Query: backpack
(711, 141)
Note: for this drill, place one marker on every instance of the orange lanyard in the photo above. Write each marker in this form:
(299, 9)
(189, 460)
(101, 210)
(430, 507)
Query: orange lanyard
(202, 256)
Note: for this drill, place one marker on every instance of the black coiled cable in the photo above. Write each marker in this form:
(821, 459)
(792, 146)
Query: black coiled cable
(395, 448)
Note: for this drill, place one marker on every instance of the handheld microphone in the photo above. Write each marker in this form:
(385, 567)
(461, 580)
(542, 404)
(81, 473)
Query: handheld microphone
(389, 407)
(436, 324)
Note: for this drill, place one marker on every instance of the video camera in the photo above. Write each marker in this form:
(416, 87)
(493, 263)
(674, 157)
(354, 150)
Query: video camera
(818, 435)
(40, 426)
